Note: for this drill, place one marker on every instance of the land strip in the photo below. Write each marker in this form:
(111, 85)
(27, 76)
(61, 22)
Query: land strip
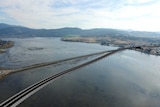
(27, 92)
(4, 71)
(4, 45)
(122, 41)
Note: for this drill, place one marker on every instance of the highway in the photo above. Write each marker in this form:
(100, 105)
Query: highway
(24, 94)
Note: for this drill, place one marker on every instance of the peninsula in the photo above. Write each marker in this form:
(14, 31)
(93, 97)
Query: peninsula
(4, 45)
(122, 41)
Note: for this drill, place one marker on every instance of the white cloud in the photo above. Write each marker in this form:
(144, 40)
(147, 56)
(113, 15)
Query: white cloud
(129, 14)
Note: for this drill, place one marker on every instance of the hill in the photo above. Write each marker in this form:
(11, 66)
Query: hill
(20, 31)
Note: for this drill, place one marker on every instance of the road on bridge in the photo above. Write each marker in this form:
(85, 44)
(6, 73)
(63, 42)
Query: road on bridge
(24, 94)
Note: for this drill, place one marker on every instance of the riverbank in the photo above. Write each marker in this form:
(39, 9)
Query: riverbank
(5, 45)
(5, 72)
(121, 42)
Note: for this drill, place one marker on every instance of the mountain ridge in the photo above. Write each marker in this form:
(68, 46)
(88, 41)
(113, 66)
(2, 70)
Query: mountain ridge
(7, 30)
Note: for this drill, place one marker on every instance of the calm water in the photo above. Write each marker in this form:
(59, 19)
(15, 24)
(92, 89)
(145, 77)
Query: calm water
(125, 79)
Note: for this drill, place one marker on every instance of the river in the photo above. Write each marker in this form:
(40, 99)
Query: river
(125, 79)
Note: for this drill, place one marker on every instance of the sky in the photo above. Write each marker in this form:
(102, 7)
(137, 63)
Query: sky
(142, 15)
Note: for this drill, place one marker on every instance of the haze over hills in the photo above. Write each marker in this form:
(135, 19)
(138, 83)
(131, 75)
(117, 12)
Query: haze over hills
(20, 31)
(104, 36)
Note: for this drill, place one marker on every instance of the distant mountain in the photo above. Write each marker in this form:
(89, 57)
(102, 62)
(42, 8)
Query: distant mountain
(102, 32)
(19, 31)
(13, 31)
(3, 25)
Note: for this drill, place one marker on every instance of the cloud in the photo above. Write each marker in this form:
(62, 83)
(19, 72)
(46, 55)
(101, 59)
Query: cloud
(128, 14)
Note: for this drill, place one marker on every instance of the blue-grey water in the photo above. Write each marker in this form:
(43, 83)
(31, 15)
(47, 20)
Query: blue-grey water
(125, 79)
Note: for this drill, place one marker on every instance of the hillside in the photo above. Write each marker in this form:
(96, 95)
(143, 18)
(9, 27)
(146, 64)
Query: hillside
(19, 31)
(121, 38)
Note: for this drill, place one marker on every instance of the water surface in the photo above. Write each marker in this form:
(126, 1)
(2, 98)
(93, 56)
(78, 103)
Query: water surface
(125, 79)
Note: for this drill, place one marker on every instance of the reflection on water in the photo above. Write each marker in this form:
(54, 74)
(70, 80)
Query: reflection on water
(53, 49)
(126, 79)
(117, 81)
(35, 50)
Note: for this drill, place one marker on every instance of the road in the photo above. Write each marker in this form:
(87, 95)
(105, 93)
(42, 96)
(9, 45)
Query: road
(24, 94)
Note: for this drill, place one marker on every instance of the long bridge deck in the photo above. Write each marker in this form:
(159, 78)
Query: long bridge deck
(24, 94)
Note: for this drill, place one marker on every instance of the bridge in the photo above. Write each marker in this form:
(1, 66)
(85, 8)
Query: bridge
(27, 92)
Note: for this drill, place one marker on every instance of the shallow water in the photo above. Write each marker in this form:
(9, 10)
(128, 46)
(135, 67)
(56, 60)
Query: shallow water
(125, 79)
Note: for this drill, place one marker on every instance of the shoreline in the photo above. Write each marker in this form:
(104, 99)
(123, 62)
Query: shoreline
(108, 41)
(7, 71)
(5, 45)
(151, 50)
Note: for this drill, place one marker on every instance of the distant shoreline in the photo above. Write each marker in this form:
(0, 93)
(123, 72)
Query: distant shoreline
(5, 45)
(108, 41)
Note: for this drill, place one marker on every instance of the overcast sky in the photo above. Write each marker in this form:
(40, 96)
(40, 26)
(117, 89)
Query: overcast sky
(120, 14)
